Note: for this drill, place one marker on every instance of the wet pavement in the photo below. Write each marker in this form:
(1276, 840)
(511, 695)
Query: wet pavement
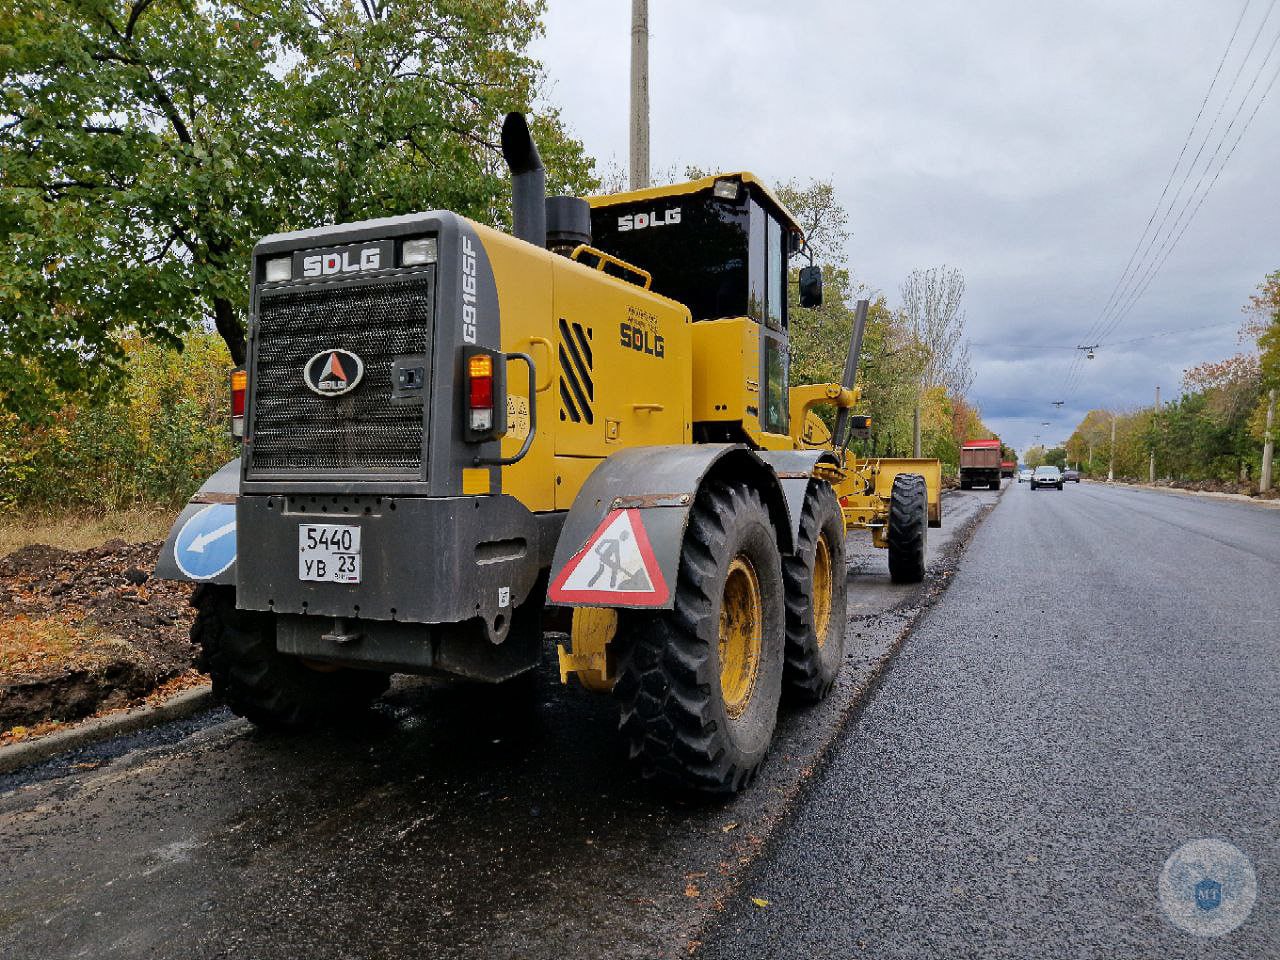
(453, 823)
(1099, 686)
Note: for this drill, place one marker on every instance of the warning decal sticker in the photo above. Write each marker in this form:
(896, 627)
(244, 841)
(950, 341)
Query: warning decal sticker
(615, 566)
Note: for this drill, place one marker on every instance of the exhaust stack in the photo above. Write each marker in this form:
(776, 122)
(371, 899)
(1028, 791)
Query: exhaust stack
(528, 180)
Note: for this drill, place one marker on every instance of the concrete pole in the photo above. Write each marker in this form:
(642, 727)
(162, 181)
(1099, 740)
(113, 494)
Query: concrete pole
(915, 432)
(1151, 468)
(639, 94)
(1268, 444)
(1111, 461)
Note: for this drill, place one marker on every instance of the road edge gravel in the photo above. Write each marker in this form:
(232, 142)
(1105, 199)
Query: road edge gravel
(29, 752)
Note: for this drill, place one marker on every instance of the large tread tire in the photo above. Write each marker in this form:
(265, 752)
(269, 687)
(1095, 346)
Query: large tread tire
(813, 662)
(257, 682)
(673, 712)
(908, 528)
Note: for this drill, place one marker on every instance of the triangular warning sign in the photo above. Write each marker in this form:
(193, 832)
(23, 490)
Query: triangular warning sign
(615, 567)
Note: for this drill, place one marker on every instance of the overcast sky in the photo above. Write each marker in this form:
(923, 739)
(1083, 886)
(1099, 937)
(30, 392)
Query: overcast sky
(1026, 143)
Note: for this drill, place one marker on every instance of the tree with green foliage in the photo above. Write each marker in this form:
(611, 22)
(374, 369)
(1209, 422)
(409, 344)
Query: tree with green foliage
(145, 147)
(1264, 324)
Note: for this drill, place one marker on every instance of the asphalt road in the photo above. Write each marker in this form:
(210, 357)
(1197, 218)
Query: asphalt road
(1099, 685)
(452, 824)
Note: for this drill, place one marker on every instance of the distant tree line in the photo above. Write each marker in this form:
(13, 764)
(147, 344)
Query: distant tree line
(1213, 430)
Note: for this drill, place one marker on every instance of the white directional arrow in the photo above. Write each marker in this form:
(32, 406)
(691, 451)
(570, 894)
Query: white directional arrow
(203, 540)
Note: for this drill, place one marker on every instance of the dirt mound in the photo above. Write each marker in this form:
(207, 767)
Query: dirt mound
(87, 629)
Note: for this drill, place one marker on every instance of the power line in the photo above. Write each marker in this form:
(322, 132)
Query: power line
(1173, 172)
(1164, 253)
(1134, 280)
(1185, 331)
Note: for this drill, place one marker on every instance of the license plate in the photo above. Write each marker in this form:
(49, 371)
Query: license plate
(329, 553)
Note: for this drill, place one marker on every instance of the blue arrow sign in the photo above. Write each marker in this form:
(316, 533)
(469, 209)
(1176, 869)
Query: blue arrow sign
(206, 544)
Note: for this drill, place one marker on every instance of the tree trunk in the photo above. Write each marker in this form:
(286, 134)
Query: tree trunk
(224, 318)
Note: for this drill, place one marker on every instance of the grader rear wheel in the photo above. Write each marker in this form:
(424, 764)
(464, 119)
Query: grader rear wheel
(699, 685)
(816, 597)
(273, 690)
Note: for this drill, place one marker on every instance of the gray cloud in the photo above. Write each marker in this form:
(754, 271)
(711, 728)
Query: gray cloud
(1024, 142)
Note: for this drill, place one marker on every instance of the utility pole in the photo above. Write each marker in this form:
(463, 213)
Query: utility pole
(1151, 468)
(1268, 444)
(639, 94)
(1111, 460)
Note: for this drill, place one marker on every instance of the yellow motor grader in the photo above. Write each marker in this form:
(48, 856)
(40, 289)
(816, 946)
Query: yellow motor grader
(451, 433)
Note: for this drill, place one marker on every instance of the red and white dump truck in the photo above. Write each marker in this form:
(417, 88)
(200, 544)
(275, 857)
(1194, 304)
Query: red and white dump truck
(980, 464)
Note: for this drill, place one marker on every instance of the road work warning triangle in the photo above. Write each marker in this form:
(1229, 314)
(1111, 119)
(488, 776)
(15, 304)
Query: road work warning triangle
(615, 566)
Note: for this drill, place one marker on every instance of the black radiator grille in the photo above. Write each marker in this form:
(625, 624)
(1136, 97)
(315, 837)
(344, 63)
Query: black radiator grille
(298, 432)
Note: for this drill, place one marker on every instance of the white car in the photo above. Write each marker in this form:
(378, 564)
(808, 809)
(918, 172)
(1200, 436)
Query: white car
(1024, 474)
(1046, 476)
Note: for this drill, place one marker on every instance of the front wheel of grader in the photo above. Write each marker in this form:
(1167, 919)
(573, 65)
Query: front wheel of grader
(908, 528)
(699, 685)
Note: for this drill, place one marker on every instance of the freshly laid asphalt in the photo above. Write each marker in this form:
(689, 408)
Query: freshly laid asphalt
(1099, 685)
(452, 824)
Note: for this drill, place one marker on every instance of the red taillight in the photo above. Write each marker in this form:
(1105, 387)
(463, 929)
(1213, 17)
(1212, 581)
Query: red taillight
(480, 392)
(239, 383)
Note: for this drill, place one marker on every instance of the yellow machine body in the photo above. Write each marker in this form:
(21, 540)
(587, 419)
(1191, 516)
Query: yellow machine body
(619, 365)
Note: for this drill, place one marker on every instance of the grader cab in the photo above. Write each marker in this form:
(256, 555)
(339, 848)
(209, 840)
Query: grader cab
(451, 434)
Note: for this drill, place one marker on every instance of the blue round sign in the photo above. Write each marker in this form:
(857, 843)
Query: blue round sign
(206, 544)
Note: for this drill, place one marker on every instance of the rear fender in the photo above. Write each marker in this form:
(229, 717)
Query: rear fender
(634, 509)
(201, 546)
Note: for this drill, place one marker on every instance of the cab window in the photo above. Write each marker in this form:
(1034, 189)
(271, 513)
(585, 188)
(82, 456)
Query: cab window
(777, 277)
(758, 289)
(773, 399)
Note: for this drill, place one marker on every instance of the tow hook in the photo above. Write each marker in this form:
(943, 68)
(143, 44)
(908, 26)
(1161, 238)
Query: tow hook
(340, 634)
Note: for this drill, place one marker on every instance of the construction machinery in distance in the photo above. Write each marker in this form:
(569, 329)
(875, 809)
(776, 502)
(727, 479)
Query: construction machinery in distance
(454, 438)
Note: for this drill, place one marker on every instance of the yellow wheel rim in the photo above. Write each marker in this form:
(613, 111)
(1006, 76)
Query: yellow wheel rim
(821, 590)
(741, 628)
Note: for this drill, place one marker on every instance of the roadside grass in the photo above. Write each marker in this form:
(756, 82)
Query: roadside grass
(82, 531)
